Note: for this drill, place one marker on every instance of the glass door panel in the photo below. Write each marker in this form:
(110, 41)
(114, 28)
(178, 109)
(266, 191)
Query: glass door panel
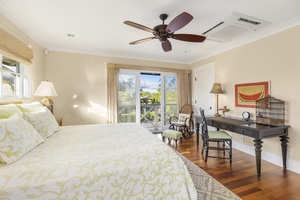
(150, 101)
(127, 98)
(147, 98)
(170, 98)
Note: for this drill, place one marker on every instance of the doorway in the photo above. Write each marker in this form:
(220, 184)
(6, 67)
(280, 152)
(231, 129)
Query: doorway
(147, 98)
(203, 82)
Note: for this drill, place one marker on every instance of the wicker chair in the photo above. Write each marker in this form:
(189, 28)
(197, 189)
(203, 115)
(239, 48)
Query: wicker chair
(183, 122)
(217, 137)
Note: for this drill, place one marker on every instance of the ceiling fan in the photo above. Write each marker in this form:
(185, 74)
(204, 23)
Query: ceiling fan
(165, 31)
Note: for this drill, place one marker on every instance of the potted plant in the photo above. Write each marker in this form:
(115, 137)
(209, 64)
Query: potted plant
(224, 110)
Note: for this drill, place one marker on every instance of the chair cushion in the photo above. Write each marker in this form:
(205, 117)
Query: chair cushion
(215, 135)
(172, 134)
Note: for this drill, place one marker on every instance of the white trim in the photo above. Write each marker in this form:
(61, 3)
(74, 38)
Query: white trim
(267, 156)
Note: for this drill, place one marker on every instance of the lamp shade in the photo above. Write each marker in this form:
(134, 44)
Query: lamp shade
(216, 89)
(47, 89)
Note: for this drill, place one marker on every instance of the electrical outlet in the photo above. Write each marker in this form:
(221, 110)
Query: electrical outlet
(290, 153)
(242, 138)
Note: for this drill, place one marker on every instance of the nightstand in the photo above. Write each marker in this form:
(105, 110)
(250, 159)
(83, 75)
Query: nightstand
(59, 120)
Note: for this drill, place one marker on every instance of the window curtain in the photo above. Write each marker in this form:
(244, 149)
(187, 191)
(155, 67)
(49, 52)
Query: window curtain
(112, 93)
(14, 48)
(183, 89)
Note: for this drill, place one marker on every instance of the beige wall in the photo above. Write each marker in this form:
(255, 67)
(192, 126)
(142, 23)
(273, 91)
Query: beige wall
(275, 58)
(80, 81)
(37, 70)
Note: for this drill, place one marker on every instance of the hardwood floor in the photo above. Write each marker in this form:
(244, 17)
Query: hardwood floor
(241, 178)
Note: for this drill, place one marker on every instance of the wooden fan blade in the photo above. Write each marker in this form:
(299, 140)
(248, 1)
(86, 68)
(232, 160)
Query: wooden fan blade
(142, 40)
(189, 37)
(139, 26)
(179, 22)
(166, 45)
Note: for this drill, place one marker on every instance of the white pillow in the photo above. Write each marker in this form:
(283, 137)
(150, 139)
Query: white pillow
(17, 137)
(182, 117)
(30, 107)
(43, 121)
(9, 110)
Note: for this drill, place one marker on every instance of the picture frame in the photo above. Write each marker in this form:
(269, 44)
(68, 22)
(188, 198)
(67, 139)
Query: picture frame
(247, 94)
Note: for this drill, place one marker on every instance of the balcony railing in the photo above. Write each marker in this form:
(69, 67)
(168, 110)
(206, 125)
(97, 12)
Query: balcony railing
(150, 116)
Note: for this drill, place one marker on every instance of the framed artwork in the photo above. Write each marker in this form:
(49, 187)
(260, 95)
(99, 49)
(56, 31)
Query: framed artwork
(246, 94)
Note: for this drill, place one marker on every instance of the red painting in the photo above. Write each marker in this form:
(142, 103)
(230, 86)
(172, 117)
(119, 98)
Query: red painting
(248, 93)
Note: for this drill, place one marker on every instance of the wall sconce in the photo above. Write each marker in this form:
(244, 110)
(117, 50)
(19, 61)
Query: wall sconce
(217, 89)
(47, 90)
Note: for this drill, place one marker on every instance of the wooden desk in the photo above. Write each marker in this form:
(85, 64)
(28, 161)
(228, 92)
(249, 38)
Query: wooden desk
(250, 129)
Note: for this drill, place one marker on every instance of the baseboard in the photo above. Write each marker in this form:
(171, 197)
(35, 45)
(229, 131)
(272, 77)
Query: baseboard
(267, 156)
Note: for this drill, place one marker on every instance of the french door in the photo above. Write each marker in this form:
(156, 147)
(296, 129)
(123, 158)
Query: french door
(147, 98)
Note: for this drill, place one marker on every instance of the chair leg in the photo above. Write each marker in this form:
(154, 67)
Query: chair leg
(169, 140)
(182, 130)
(230, 151)
(206, 151)
(203, 144)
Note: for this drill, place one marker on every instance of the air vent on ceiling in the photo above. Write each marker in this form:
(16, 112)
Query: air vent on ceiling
(233, 26)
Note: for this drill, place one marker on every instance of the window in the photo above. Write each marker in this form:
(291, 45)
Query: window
(14, 78)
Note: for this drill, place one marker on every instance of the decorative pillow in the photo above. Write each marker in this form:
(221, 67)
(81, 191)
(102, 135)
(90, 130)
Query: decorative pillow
(17, 137)
(183, 117)
(9, 110)
(43, 121)
(30, 107)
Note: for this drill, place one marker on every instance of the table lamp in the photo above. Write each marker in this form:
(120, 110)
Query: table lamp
(47, 90)
(217, 89)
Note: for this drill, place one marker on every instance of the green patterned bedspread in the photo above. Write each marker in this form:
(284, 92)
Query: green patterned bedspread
(108, 161)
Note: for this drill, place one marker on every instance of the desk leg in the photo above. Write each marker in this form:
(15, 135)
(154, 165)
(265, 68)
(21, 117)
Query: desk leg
(284, 141)
(197, 133)
(258, 146)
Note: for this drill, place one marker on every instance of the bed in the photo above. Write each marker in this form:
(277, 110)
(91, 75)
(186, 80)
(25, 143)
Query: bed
(100, 161)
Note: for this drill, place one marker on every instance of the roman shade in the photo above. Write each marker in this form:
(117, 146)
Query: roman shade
(14, 48)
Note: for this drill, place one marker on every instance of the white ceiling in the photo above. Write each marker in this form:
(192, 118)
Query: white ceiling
(98, 24)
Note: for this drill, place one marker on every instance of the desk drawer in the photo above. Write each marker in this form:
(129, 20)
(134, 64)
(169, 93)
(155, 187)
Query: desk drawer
(244, 131)
(228, 127)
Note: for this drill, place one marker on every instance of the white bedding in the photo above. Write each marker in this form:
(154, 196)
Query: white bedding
(116, 161)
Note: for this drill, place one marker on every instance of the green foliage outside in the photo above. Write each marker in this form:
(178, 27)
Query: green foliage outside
(127, 96)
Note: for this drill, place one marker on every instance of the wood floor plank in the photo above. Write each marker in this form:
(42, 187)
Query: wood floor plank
(241, 178)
